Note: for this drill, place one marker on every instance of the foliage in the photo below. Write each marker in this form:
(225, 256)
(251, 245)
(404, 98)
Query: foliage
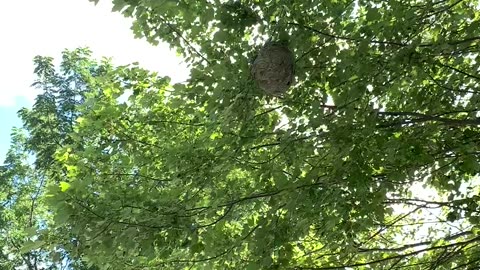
(30, 163)
(212, 174)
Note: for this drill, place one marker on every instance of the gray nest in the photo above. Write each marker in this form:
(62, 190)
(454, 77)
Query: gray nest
(273, 69)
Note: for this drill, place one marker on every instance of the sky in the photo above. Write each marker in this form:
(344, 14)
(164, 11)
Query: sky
(32, 27)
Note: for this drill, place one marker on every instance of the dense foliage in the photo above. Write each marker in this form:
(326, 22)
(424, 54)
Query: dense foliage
(370, 161)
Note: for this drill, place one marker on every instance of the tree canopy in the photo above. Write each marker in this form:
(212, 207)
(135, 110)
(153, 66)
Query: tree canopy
(369, 161)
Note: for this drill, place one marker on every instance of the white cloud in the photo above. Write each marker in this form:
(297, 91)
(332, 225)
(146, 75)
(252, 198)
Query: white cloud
(47, 27)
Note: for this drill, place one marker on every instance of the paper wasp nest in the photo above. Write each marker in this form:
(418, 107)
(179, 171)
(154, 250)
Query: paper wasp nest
(273, 69)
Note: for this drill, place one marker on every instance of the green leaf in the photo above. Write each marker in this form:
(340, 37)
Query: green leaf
(118, 5)
(64, 186)
(197, 247)
(220, 36)
(31, 231)
(31, 245)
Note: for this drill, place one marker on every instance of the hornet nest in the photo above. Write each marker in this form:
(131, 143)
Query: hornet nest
(273, 69)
